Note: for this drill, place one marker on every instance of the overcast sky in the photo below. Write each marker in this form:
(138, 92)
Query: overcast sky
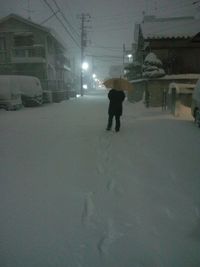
(112, 22)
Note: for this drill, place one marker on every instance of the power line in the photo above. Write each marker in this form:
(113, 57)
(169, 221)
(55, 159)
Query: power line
(110, 25)
(103, 56)
(108, 60)
(69, 8)
(112, 29)
(106, 47)
(65, 19)
(66, 29)
(50, 17)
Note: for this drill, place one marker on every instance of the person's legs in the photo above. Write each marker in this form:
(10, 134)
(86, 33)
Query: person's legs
(117, 125)
(110, 120)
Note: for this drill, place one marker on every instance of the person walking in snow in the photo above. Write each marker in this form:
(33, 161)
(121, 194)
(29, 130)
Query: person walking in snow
(116, 98)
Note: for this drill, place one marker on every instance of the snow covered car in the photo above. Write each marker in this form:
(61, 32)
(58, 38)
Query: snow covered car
(29, 87)
(10, 95)
(195, 107)
(31, 90)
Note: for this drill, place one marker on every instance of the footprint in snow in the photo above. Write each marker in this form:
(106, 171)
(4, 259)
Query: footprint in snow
(108, 239)
(100, 169)
(88, 209)
(114, 187)
(197, 211)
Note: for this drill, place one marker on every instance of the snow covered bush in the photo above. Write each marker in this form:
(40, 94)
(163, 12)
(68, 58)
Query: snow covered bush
(152, 67)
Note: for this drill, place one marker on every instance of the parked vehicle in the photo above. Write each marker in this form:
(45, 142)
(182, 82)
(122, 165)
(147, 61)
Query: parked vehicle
(195, 107)
(10, 95)
(31, 90)
(29, 87)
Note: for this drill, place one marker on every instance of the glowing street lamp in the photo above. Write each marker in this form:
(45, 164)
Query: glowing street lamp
(85, 86)
(129, 57)
(85, 66)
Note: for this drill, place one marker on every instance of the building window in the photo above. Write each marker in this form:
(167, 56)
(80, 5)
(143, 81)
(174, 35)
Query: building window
(2, 43)
(50, 45)
(23, 40)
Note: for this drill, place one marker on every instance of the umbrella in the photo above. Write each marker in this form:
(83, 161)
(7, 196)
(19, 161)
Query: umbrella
(118, 84)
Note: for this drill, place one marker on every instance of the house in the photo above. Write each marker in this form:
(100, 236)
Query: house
(27, 48)
(176, 42)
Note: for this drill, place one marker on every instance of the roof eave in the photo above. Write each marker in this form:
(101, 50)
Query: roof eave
(166, 37)
(33, 24)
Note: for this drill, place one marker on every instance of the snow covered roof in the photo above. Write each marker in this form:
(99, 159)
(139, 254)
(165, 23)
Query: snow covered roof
(175, 27)
(35, 25)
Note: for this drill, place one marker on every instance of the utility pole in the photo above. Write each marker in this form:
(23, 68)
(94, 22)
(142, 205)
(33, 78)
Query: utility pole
(84, 18)
(123, 65)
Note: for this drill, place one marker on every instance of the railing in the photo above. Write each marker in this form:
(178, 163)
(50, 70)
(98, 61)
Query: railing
(28, 52)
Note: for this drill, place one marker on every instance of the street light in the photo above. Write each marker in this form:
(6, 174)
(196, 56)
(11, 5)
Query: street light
(85, 66)
(130, 56)
(85, 86)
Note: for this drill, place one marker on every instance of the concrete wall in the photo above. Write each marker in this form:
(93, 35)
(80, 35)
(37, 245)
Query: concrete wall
(138, 92)
(155, 88)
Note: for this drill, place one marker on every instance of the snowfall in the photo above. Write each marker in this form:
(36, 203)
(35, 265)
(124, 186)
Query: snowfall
(74, 195)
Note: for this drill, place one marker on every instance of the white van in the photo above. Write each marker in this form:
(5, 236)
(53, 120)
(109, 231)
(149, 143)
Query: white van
(195, 107)
(10, 95)
(29, 87)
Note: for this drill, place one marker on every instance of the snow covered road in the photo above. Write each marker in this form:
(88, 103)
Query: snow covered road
(72, 194)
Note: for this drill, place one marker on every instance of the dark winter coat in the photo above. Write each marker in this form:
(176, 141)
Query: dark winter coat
(116, 98)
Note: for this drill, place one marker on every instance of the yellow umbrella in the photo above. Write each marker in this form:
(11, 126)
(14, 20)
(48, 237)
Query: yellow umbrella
(118, 84)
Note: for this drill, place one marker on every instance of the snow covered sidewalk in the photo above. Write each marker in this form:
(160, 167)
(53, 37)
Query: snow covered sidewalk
(72, 194)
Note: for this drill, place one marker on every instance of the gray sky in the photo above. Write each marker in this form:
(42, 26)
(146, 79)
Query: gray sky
(112, 22)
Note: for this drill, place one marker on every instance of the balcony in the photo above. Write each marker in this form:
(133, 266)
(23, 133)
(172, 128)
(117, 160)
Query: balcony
(33, 54)
(63, 62)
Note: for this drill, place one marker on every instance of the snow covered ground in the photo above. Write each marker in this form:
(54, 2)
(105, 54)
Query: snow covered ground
(74, 195)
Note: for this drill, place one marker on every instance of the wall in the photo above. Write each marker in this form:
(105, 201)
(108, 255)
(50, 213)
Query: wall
(138, 92)
(156, 87)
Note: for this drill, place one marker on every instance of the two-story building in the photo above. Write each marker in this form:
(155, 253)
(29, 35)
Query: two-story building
(27, 48)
